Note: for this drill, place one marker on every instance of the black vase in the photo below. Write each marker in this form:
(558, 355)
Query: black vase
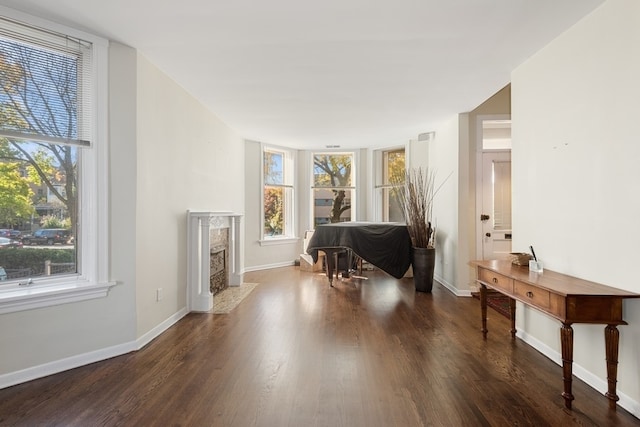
(424, 262)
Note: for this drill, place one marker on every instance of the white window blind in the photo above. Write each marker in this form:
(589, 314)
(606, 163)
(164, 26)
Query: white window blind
(46, 78)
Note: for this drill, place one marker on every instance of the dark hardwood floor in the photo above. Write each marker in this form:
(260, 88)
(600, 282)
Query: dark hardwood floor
(299, 353)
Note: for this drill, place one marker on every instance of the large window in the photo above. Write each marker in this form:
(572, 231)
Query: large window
(390, 172)
(278, 203)
(333, 188)
(52, 161)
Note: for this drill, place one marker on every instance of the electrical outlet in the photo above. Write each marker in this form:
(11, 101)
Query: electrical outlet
(159, 294)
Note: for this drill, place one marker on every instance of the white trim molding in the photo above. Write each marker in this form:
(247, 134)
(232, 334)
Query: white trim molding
(199, 296)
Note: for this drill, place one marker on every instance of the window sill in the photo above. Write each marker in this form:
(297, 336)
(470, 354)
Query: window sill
(278, 241)
(19, 298)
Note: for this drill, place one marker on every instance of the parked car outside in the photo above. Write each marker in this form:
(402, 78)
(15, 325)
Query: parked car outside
(47, 236)
(12, 234)
(6, 242)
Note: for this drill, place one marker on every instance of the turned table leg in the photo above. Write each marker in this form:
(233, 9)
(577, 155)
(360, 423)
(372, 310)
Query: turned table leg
(483, 308)
(512, 314)
(611, 341)
(566, 338)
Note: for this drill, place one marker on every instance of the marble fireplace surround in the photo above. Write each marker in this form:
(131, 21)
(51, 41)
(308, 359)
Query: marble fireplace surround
(200, 226)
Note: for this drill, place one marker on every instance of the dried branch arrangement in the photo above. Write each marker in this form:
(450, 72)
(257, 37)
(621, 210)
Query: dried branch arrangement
(415, 195)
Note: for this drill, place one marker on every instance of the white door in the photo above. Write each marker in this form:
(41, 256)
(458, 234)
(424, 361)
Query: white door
(495, 217)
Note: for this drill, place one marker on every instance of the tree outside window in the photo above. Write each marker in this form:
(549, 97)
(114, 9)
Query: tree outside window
(393, 173)
(16, 196)
(41, 130)
(332, 179)
(277, 193)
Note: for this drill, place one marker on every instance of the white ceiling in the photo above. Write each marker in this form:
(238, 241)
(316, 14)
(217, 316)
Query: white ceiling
(353, 73)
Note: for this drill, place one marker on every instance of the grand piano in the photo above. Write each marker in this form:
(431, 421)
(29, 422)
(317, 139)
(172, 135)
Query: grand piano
(386, 245)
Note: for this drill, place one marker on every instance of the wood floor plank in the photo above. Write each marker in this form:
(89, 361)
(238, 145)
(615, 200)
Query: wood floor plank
(297, 352)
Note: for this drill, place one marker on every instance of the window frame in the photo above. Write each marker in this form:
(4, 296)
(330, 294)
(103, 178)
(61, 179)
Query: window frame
(379, 184)
(289, 159)
(352, 188)
(91, 281)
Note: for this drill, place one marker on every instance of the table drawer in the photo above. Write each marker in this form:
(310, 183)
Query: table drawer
(532, 295)
(496, 280)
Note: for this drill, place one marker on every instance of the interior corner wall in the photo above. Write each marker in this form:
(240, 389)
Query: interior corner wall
(363, 176)
(497, 106)
(443, 161)
(575, 171)
(187, 159)
(303, 196)
(453, 150)
(463, 275)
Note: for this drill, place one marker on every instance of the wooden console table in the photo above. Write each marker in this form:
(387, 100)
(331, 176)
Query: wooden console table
(566, 298)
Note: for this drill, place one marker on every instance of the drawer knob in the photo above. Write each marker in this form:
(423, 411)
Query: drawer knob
(530, 294)
(495, 280)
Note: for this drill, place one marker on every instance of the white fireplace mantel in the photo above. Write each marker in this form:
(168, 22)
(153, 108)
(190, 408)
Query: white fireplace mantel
(199, 225)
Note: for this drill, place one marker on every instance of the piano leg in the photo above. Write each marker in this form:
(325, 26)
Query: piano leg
(330, 259)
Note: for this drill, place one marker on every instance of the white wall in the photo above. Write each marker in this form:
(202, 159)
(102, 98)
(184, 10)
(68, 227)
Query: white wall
(443, 161)
(187, 159)
(451, 153)
(575, 108)
(167, 154)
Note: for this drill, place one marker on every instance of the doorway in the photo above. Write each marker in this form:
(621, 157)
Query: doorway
(493, 189)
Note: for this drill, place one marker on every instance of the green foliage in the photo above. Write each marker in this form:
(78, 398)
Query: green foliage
(34, 259)
(332, 170)
(45, 164)
(273, 215)
(15, 195)
(31, 78)
(52, 221)
(396, 166)
(7, 152)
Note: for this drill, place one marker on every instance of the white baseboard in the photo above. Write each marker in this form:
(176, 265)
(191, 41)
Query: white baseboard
(588, 377)
(457, 292)
(55, 367)
(269, 266)
(158, 330)
(35, 372)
